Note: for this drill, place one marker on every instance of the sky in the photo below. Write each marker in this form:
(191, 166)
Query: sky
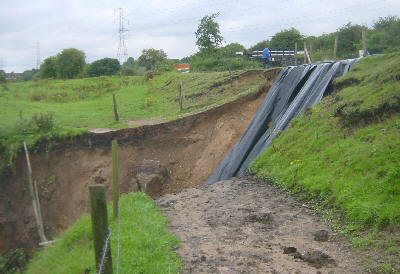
(48, 26)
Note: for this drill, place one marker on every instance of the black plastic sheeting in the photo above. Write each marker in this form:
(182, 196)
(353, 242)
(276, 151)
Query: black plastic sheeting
(294, 90)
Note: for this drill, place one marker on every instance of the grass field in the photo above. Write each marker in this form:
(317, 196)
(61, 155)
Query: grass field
(146, 247)
(345, 152)
(85, 103)
(65, 108)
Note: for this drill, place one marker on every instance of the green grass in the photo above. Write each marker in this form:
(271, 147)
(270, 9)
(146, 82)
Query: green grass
(343, 156)
(146, 247)
(80, 104)
(346, 150)
(86, 103)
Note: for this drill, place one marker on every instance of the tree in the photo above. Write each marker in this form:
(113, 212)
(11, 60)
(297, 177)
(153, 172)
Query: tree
(286, 38)
(105, 66)
(208, 34)
(48, 69)
(151, 57)
(130, 62)
(259, 46)
(70, 63)
(349, 40)
(2, 76)
(231, 49)
(29, 74)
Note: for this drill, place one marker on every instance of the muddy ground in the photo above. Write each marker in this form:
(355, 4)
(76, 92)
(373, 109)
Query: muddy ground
(243, 226)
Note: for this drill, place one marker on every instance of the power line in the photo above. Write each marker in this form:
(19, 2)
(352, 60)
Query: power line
(122, 52)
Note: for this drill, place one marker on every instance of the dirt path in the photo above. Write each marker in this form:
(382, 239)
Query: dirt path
(244, 226)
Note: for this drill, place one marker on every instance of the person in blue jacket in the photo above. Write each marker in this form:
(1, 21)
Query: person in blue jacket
(266, 57)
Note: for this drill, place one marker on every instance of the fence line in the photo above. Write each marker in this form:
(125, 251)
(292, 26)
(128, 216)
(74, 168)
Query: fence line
(119, 235)
(103, 257)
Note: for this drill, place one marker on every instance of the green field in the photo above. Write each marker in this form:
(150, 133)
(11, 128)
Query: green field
(344, 154)
(47, 109)
(145, 246)
(86, 103)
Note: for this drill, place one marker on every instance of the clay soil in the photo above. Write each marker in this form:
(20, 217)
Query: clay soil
(189, 149)
(243, 226)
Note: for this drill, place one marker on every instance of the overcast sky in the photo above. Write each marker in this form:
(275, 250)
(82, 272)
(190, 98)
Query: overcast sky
(92, 26)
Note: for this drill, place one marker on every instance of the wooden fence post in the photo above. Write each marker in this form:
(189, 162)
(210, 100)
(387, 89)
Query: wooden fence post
(311, 53)
(98, 210)
(180, 88)
(35, 197)
(230, 73)
(295, 54)
(364, 44)
(306, 53)
(115, 181)
(115, 108)
(335, 47)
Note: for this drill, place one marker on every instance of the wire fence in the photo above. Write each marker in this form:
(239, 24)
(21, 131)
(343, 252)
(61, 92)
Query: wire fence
(105, 248)
(119, 234)
(107, 242)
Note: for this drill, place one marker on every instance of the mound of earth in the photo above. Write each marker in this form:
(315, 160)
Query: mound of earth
(243, 226)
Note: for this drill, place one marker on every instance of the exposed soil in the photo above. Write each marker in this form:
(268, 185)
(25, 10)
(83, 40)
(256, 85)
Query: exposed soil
(189, 149)
(243, 226)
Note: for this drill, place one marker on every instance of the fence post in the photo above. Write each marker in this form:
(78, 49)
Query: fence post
(364, 44)
(311, 53)
(335, 47)
(35, 197)
(180, 95)
(98, 210)
(306, 53)
(115, 108)
(115, 181)
(230, 73)
(295, 54)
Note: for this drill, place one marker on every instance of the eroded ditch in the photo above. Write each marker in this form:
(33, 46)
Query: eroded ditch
(159, 159)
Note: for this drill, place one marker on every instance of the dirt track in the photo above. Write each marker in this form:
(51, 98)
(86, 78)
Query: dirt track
(243, 226)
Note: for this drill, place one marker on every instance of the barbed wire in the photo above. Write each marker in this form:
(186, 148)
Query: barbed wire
(103, 257)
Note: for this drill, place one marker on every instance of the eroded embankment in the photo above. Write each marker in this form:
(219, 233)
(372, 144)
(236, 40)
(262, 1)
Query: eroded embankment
(163, 158)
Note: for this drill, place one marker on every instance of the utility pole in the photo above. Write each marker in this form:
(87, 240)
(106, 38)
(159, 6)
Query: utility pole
(37, 55)
(122, 53)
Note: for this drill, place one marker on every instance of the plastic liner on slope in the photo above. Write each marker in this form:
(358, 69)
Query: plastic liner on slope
(295, 89)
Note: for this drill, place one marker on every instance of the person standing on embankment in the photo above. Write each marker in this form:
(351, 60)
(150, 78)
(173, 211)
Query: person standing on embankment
(265, 57)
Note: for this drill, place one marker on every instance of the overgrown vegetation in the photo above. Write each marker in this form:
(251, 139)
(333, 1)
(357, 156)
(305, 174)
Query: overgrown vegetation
(345, 153)
(145, 246)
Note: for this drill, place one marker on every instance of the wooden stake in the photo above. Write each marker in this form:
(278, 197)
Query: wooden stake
(364, 44)
(115, 181)
(35, 197)
(180, 88)
(306, 53)
(295, 54)
(335, 47)
(115, 108)
(98, 210)
(311, 53)
(230, 73)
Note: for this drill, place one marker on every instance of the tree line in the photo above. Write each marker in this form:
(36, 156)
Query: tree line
(382, 37)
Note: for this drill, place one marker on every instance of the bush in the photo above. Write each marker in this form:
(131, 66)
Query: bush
(105, 66)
